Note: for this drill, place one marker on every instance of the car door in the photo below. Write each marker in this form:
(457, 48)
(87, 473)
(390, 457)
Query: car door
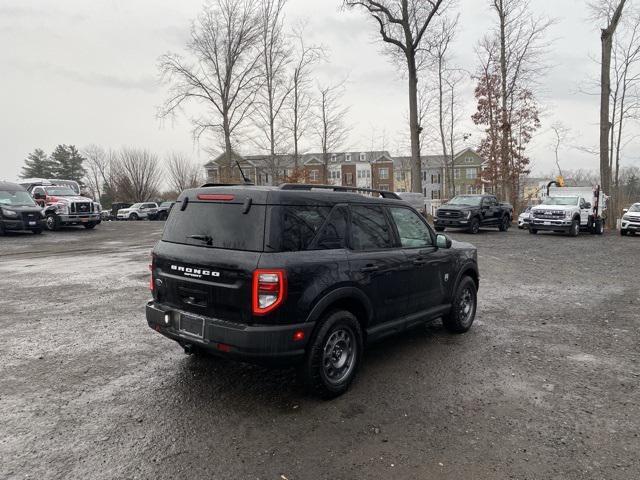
(425, 276)
(585, 210)
(376, 263)
(490, 210)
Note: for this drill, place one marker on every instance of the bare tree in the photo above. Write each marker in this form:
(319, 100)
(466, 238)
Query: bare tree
(403, 24)
(97, 164)
(222, 75)
(560, 136)
(330, 125)
(301, 101)
(137, 174)
(182, 173)
(272, 97)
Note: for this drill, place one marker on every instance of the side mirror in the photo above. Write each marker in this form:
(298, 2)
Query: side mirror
(442, 241)
(625, 210)
(39, 196)
(587, 205)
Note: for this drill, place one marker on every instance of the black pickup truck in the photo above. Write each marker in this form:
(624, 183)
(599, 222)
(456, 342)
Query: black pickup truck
(470, 212)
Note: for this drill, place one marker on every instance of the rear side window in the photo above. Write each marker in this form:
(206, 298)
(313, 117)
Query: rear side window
(307, 227)
(217, 225)
(369, 228)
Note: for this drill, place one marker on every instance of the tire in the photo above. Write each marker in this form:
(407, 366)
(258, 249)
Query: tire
(533, 231)
(505, 223)
(337, 341)
(439, 229)
(475, 226)
(623, 233)
(90, 225)
(134, 216)
(463, 308)
(1, 230)
(36, 231)
(598, 227)
(574, 230)
(52, 222)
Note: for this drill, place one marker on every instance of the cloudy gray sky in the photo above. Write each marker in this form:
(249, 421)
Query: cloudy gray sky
(82, 72)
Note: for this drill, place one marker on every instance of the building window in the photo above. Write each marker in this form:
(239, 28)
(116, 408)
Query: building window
(436, 179)
(383, 186)
(472, 173)
(347, 157)
(424, 191)
(473, 189)
(456, 173)
(314, 175)
(334, 158)
(424, 176)
(435, 194)
(368, 173)
(363, 157)
(384, 174)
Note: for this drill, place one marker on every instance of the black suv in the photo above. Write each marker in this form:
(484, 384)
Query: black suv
(303, 274)
(471, 212)
(18, 211)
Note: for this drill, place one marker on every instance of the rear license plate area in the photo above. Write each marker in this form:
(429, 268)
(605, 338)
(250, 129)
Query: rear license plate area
(192, 325)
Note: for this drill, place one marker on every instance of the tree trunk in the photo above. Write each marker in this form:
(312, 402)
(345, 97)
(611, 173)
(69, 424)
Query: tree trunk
(414, 125)
(443, 137)
(505, 127)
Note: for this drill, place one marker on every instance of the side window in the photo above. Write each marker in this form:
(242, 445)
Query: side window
(412, 230)
(493, 201)
(300, 225)
(369, 228)
(38, 190)
(583, 203)
(333, 233)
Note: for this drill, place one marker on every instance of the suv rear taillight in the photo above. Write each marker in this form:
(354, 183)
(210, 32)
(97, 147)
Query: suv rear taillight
(269, 290)
(152, 266)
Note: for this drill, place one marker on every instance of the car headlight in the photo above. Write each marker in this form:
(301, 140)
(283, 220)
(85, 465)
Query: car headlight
(626, 217)
(468, 215)
(9, 213)
(62, 208)
(568, 214)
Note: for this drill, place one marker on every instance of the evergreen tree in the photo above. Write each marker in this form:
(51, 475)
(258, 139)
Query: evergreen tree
(68, 163)
(38, 165)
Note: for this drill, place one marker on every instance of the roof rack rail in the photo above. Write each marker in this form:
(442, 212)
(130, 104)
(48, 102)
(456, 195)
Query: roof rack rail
(338, 188)
(225, 185)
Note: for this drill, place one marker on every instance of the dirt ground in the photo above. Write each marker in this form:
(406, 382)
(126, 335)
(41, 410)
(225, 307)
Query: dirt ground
(544, 386)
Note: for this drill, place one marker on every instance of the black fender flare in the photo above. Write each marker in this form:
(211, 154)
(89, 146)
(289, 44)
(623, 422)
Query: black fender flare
(49, 210)
(464, 268)
(341, 293)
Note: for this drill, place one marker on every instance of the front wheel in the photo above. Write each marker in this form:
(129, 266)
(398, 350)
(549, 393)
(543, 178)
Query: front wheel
(52, 222)
(533, 231)
(623, 233)
(36, 231)
(463, 309)
(134, 216)
(474, 227)
(574, 231)
(439, 229)
(333, 355)
(90, 225)
(504, 224)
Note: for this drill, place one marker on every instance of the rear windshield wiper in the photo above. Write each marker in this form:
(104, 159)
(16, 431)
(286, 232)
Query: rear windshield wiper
(203, 238)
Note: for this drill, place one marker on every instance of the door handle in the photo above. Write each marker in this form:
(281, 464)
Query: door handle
(370, 268)
(419, 261)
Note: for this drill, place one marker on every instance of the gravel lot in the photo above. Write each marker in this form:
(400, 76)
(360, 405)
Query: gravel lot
(545, 386)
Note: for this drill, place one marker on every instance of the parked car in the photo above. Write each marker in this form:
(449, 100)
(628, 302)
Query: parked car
(163, 211)
(303, 275)
(137, 211)
(566, 210)
(470, 212)
(18, 211)
(62, 204)
(416, 200)
(630, 220)
(523, 218)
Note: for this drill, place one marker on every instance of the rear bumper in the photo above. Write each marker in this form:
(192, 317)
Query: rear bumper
(253, 343)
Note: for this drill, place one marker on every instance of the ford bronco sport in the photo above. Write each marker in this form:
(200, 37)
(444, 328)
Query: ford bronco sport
(303, 275)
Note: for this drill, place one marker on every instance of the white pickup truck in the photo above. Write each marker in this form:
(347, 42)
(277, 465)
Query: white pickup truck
(570, 210)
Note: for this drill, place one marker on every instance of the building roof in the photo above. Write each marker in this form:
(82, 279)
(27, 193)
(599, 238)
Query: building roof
(287, 160)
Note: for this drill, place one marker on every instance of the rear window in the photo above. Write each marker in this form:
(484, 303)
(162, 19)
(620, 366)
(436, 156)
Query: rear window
(307, 227)
(217, 225)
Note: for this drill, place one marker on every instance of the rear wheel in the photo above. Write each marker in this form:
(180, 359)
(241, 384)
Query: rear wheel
(504, 224)
(463, 309)
(52, 221)
(1, 229)
(439, 229)
(474, 227)
(90, 225)
(333, 355)
(598, 227)
(533, 231)
(36, 231)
